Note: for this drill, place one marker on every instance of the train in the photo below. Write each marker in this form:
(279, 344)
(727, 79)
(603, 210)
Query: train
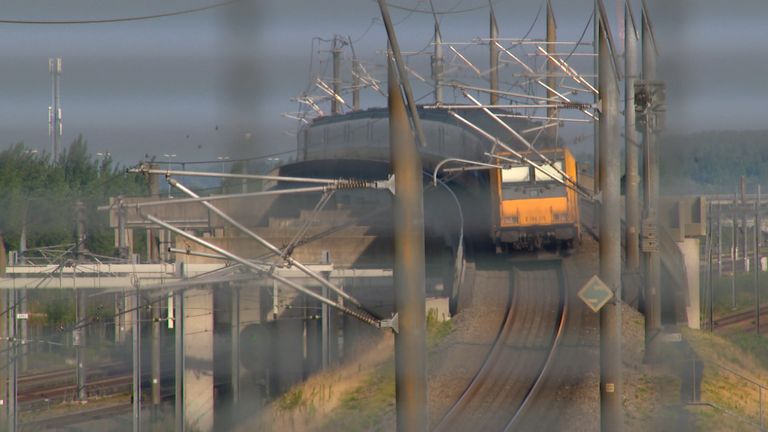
(534, 208)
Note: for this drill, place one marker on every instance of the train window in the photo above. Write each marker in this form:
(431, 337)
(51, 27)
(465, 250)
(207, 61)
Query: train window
(549, 173)
(516, 174)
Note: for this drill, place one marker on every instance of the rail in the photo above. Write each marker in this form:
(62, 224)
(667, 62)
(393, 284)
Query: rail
(500, 356)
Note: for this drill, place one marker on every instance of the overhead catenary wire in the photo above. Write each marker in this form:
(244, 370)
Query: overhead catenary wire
(119, 19)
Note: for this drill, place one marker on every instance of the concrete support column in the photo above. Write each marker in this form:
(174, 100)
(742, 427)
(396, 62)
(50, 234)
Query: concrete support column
(692, 256)
(79, 342)
(156, 359)
(24, 331)
(178, 328)
(235, 341)
(198, 359)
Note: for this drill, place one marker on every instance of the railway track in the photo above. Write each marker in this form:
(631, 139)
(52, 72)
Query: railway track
(524, 346)
(740, 318)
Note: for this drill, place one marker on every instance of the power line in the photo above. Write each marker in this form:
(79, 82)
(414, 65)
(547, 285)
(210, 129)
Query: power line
(119, 19)
(452, 11)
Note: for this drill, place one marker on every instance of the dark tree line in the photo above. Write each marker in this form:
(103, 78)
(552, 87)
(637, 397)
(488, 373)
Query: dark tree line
(713, 161)
(42, 193)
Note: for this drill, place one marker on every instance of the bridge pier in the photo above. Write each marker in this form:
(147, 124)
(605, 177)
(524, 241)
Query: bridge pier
(197, 328)
(692, 258)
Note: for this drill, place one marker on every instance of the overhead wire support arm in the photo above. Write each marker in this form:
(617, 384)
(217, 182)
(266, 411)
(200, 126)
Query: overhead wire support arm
(539, 81)
(569, 184)
(363, 316)
(339, 183)
(288, 259)
(519, 137)
(568, 70)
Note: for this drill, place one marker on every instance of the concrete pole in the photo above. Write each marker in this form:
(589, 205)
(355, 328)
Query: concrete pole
(54, 66)
(437, 65)
(81, 320)
(3, 335)
(180, 365)
(734, 253)
(235, 337)
(552, 111)
(611, 414)
(409, 273)
(156, 360)
(24, 331)
(719, 239)
(632, 206)
(493, 77)
(136, 361)
(651, 191)
(711, 282)
(122, 233)
(325, 318)
(336, 53)
(756, 264)
(355, 86)
(12, 365)
(596, 100)
(744, 231)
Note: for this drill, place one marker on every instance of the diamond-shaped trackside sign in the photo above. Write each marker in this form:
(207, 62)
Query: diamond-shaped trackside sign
(595, 293)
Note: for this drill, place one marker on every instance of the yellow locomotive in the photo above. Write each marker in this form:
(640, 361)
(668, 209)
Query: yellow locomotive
(535, 207)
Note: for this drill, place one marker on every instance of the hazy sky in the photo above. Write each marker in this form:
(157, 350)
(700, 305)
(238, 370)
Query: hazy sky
(215, 83)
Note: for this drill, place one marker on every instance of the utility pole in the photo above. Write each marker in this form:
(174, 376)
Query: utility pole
(437, 65)
(611, 387)
(355, 78)
(156, 360)
(596, 101)
(336, 53)
(325, 317)
(55, 128)
(552, 111)
(80, 307)
(757, 266)
(13, 374)
(137, 360)
(745, 235)
(719, 238)
(651, 192)
(409, 273)
(235, 335)
(4, 372)
(734, 252)
(632, 206)
(180, 362)
(409, 277)
(493, 76)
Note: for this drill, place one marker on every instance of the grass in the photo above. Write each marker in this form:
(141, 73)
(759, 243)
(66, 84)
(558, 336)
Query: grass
(733, 367)
(744, 289)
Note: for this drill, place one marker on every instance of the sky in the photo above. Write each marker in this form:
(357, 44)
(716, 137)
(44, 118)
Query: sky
(215, 83)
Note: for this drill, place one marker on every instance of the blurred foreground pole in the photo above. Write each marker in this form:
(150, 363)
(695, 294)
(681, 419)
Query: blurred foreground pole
(155, 383)
(611, 418)
(630, 144)
(408, 221)
(493, 75)
(3, 336)
(552, 111)
(651, 189)
(136, 350)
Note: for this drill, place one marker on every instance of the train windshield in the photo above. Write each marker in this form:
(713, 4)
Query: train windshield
(516, 174)
(549, 172)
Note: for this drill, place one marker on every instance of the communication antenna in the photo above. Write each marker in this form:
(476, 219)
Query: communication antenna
(55, 128)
